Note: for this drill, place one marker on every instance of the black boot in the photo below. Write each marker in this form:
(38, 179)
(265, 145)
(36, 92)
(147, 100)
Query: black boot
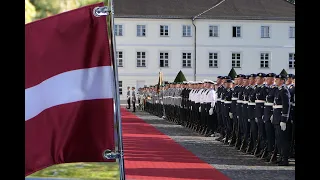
(284, 162)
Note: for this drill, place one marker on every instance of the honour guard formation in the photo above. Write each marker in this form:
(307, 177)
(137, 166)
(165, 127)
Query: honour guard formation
(252, 113)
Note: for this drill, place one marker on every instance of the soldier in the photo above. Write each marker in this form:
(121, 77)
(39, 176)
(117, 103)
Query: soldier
(211, 99)
(267, 113)
(226, 99)
(133, 99)
(291, 86)
(128, 97)
(220, 89)
(224, 120)
(160, 101)
(177, 103)
(183, 117)
(169, 102)
(246, 123)
(237, 93)
(189, 104)
(251, 115)
(234, 115)
(202, 108)
(198, 107)
(280, 118)
(194, 108)
(261, 93)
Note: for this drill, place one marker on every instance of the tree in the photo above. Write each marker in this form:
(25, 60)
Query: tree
(284, 72)
(29, 11)
(232, 74)
(46, 8)
(180, 77)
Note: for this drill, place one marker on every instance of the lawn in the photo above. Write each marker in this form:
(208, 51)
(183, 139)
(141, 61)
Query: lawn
(90, 171)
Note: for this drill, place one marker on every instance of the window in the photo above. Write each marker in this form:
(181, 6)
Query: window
(213, 31)
(264, 60)
(265, 32)
(141, 30)
(119, 58)
(292, 32)
(141, 59)
(292, 60)
(236, 60)
(236, 31)
(213, 60)
(186, 31)
(164, 59)
(120, 87)
(164, 30)
(186, 60)
(118, 30)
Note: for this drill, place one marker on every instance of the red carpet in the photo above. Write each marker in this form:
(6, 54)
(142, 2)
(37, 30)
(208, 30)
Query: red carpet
(150, 154)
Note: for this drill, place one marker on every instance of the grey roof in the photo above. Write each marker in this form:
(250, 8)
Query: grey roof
(186, 9)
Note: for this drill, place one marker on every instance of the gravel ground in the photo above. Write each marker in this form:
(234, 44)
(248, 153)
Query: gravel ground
(229, 161)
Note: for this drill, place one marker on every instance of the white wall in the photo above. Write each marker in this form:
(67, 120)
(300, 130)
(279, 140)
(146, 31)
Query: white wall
(249, 45)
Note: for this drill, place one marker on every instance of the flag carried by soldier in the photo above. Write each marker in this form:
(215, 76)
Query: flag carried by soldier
(159, 82)
(68, 90)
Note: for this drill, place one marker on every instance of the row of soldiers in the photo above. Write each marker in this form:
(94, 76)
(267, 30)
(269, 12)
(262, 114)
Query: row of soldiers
(254, 113)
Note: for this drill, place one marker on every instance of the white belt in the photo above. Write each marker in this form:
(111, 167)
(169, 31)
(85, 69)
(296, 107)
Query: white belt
(245, 102)
(219, 99)
(239, 101)
(277, 106)
(268, 104)
(227, 102)
(222, 101)
(259, 101)
(251, 103)
(233, 99)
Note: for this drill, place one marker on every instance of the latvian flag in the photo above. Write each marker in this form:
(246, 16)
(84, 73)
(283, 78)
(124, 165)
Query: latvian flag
(69, 86)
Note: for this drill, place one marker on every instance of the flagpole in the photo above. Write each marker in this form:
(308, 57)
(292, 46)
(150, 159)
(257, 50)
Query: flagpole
(118, 154)
(117, 102)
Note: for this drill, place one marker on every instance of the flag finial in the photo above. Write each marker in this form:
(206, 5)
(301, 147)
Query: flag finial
(101, 11)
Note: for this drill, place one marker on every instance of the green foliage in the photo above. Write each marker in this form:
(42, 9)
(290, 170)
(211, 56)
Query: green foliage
(46, 8)
(180, 77)
(97, 170)
(232, 74)
(29, 11)
(284, 72)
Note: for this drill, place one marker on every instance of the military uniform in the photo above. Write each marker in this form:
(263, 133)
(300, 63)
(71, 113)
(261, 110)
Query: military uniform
(267, 116)
(261, 93)
(128, 99)
(251, 118)
(134, 99)
(227, 113)
(281, 110)
(210, 101)
(245, 118)
(291, 122)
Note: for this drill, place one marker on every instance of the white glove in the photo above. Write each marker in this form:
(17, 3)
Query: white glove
(283, 126)
(211, 111)
(190, 107)
(248, 120)
(291, 121)
(161, 102)
(199, 109)
(256, 119)
(230, 115)
(262, 117)
(271, 118)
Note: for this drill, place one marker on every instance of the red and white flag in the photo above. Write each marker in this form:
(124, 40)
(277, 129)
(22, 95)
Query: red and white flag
(69, 86)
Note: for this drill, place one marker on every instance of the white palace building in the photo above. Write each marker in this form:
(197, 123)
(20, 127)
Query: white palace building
(169, 35)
